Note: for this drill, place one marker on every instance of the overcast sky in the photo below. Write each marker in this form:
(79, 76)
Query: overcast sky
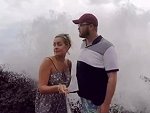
(27, 28)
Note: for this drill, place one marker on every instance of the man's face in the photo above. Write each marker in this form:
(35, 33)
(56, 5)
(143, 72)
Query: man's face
(84, 30)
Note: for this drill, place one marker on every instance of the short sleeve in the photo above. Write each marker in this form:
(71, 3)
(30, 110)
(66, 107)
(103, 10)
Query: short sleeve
(110, 60)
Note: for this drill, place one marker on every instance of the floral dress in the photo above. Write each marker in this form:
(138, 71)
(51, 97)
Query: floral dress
(53, 102)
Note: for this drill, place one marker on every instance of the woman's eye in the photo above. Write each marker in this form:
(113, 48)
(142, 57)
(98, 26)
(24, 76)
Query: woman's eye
(54, 44)
(59, 44)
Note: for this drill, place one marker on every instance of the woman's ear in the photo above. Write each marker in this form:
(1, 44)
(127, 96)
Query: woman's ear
(68, 53)
(68, 48)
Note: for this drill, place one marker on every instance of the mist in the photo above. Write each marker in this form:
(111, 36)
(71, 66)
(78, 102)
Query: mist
(25, 43)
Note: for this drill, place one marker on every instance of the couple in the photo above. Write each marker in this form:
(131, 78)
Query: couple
(96, 72)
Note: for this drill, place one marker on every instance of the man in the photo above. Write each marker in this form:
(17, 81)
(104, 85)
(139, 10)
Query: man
(96, 67)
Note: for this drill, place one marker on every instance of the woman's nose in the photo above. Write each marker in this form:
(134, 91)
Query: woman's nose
(56, 47)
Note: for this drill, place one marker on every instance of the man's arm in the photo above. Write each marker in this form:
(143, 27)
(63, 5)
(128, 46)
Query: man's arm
(111, 86)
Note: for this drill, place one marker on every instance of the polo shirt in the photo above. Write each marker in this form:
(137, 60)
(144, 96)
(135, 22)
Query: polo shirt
(93, 64)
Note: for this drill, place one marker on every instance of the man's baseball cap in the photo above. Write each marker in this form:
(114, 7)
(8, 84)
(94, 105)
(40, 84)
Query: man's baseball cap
(87, 17)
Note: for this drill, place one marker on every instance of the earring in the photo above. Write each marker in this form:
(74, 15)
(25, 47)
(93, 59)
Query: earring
(68, 53)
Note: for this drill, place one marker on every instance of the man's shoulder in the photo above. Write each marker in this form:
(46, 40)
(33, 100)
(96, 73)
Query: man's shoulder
(105, 42)
(101, 46)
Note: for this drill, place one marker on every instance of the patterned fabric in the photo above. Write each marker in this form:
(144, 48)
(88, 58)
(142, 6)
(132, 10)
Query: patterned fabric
(54, 102)
(88, 106)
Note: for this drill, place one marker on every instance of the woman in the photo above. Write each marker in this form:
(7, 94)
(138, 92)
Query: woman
(54, 78)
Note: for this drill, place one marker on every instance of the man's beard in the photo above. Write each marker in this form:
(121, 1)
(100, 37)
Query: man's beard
(85, 33)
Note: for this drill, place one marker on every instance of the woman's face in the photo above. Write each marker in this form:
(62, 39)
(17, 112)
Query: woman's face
(60, 48)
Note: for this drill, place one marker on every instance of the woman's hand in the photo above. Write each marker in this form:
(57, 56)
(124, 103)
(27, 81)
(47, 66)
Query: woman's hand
(62, 89)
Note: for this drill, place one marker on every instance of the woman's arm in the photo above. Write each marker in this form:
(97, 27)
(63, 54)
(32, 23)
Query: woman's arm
(44, 73)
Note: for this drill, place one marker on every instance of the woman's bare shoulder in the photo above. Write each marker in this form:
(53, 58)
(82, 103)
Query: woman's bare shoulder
(47, 62)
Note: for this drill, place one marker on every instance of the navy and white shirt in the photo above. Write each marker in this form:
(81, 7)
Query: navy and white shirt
(93, 64)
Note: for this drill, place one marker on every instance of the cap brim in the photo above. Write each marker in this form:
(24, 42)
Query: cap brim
(76, 21)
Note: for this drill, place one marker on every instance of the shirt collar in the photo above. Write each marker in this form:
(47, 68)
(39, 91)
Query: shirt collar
(98, 39)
